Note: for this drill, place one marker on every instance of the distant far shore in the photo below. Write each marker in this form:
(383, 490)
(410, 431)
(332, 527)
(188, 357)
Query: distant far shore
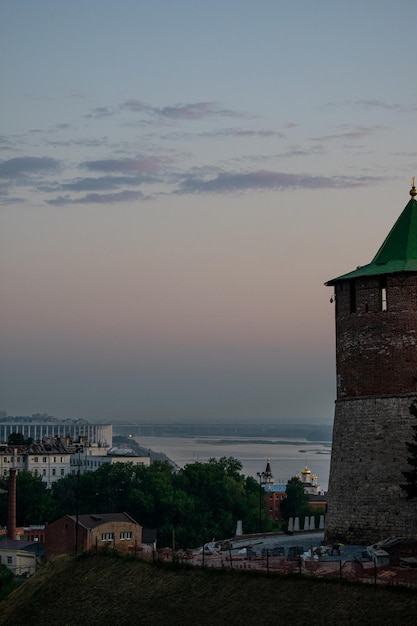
(311, 432)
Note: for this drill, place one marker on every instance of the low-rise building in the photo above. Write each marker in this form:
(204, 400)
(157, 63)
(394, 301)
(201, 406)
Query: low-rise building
(54, 458)
(12, 456)
(89, 457)
(22, 557)
(275, 492)
(50, 460)
(73, 533)
(149, 536)
(274, 495)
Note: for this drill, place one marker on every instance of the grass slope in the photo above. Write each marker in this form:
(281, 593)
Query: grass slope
(108, 589)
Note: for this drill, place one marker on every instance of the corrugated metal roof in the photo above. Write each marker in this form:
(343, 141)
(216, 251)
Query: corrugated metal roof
(398, 253)
(55, 447)
(94, 520)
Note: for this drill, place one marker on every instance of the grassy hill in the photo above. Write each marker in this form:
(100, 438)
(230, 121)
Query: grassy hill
(92, 589)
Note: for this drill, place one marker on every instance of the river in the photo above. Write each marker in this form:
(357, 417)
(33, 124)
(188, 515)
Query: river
(287, 456)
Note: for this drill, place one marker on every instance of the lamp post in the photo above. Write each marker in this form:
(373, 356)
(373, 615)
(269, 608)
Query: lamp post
(260, 475)
(78, 449)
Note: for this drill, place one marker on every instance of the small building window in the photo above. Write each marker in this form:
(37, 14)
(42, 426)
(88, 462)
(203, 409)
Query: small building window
(126, 534)
(54, 472)
(9, 560)
(44, 459)
(35, 459)
(107, 536)
(44, 472)
(62, 471)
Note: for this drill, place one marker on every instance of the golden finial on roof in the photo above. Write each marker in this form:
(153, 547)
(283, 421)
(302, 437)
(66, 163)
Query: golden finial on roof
(413, 191)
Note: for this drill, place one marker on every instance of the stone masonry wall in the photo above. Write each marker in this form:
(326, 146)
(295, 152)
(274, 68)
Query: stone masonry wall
(365, 501)
(376, 349)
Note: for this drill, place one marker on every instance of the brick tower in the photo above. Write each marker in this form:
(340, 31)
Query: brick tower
(376, 367)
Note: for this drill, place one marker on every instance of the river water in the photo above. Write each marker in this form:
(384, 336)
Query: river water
(287, 456)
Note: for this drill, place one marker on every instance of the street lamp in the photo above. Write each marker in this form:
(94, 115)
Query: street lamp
(78, 449)
(261, 475)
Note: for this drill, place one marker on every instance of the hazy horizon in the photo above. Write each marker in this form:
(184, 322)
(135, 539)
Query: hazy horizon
(177, 183)
(309, 422)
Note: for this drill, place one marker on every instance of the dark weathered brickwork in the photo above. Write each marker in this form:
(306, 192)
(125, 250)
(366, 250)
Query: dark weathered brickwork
(376, 350)
(365, 501)
(376, 367)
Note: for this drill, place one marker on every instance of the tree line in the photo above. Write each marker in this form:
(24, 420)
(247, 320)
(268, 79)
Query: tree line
(198, 502)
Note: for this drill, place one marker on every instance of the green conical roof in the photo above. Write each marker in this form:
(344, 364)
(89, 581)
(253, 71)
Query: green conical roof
(398, 253)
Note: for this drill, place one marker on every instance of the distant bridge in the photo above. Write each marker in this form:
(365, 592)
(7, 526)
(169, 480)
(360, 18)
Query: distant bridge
(314, 432)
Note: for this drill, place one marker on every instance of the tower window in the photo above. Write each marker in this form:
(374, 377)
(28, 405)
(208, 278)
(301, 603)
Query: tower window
(383, 293)
(384, 298)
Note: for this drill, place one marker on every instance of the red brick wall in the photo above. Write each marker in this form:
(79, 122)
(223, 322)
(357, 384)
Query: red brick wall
(60, 537)
(122, 545)
(376, 350)
(376, 366)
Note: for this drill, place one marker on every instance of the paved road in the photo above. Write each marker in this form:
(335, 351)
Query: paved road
(257, 543)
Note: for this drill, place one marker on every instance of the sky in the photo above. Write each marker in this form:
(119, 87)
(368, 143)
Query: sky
(178, 180)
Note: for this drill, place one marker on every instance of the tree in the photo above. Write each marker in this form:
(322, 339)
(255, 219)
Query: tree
(34, 503)
(296, 502)
(7, 584)
(199, 502)
(410, 487)
(17, 439)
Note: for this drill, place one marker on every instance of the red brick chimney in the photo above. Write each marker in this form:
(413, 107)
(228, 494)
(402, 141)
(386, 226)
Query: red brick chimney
(11, 508)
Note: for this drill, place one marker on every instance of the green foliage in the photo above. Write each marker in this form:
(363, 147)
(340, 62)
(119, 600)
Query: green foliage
(410, 487)
(34, 503)
(17, 439)
(199, 502)
(7, 584)
(296, 502)
(6, 575)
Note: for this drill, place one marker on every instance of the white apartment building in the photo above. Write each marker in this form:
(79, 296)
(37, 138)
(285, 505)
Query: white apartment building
(49, 460)
(88, 458)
